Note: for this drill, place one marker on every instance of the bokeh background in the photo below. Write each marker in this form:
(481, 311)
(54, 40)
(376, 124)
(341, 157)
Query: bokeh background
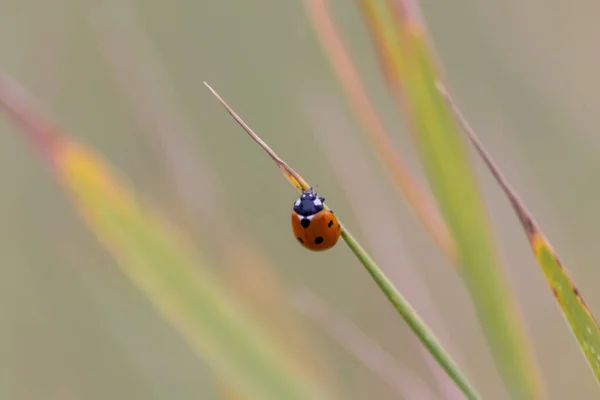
(125, 77)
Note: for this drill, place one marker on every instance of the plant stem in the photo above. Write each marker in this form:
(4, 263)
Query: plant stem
(411, 317)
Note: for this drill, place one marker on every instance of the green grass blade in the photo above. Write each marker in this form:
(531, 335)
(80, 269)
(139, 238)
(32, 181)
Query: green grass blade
(163, 265)
(405, 310)
(578, 316)
(411, 317)
(411, 71)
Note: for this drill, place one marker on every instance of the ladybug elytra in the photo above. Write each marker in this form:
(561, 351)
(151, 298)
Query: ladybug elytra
(315, 227)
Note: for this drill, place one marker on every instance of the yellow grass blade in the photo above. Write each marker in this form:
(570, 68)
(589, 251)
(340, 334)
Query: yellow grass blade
(164, 265)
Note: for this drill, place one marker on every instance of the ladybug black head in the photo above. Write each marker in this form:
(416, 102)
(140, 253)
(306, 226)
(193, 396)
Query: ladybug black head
(308, 203)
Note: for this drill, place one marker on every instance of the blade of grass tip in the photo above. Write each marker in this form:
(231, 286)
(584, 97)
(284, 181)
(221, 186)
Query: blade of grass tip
(289, 173)
(445, 160)
(574, 309)
(406, 311)
(166, 267)
(398, 376)
(346, 73)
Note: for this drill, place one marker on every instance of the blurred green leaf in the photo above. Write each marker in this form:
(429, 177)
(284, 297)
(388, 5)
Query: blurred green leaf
(411, 71)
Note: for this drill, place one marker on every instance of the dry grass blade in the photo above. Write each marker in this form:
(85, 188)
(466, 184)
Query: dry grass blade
(576, 312)
(289, 173)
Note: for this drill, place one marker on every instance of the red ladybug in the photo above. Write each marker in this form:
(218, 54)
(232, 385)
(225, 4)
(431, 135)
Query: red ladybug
(315, 228)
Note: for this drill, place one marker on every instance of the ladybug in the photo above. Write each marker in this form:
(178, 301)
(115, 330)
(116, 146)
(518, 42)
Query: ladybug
(316, 228)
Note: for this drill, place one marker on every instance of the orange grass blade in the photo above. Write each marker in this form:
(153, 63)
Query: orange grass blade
(574, 309)
(348, 76)
(38, 131)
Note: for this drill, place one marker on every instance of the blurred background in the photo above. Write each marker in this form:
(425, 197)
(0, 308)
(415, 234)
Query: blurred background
(125, 77)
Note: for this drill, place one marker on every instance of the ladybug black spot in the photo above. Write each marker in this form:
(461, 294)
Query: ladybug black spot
(319, 240)
(300, 240)
(305, 222)
(330, 224)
